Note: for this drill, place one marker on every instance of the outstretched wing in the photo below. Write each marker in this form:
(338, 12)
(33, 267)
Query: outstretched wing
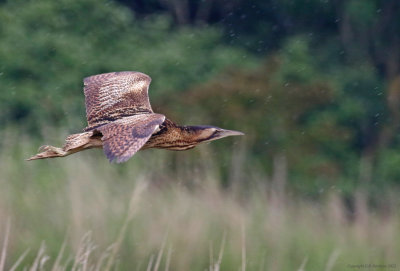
(124, 137)
(112, 96)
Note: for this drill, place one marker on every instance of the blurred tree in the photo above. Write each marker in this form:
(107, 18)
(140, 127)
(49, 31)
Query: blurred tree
(323, 107)
(369, 32)
(259, 25)
(283, 108)
(47, 47)
(326, 123)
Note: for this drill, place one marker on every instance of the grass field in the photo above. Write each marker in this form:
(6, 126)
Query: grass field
(81, 213)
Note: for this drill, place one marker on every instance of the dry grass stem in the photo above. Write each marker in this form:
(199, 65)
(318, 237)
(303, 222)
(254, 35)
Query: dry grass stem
(211, 228)
(221, 249)
(19, 260)
(160, 253)
(150, 263)
(5, 245)
(303, 264)
(85, 248)
(133, 205)
(216, 266)
(211, 255)
(103, 257)
(243, 247)
(56, 265)
(40, 259)
(168, 260)
(332, 259)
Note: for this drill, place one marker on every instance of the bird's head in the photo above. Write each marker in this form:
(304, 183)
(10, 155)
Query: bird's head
(210, 133)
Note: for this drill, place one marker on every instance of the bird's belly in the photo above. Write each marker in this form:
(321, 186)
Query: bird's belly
(181, 148)
(169, 139)
(172, 145)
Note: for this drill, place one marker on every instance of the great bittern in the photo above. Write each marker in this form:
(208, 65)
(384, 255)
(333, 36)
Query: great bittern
(121, 121)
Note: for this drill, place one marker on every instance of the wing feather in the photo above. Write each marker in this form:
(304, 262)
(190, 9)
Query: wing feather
(124, 137)
(115, 95)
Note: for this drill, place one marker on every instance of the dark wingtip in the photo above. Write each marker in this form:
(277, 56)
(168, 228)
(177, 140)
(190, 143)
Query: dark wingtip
(122, 159)
(112, 158)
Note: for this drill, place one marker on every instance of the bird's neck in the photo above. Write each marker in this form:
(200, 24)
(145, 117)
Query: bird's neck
(194, 134)
(175, 137)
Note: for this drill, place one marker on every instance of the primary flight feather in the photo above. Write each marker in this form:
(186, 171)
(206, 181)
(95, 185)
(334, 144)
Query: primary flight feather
(122, 122)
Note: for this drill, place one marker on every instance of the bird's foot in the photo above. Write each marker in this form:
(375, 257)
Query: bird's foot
(48, 152)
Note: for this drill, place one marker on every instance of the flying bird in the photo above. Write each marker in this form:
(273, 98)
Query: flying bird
(122, 122)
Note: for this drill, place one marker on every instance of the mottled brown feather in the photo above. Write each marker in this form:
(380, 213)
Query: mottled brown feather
(124, 137)
(76, 140)
(112, 96)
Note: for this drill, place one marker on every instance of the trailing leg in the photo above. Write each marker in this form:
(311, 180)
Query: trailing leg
(48, 152)
(74, 143)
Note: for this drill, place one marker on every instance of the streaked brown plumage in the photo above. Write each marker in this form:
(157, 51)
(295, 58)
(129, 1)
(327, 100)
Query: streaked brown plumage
(122, 122)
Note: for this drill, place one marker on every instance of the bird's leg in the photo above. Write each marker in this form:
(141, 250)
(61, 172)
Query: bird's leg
(74, 143)
(53, 150)
(49, 152)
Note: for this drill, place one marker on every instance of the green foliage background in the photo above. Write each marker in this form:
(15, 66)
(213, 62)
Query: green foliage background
(325, 87)
(48, 47)
(315, 85)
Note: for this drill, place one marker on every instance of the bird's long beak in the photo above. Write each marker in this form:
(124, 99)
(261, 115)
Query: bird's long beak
(224, 133)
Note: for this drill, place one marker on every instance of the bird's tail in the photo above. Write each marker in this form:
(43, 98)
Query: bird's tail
(48, 152)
